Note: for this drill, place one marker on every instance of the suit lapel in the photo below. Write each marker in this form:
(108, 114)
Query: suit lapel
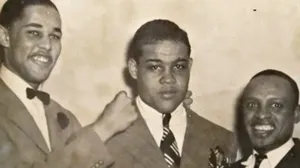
(291, 159)
(18, 114)
(55, 132)
(188, 149)
(142, 146)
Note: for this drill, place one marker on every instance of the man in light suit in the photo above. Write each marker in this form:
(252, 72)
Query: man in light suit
(166, 134)
(35, 131)
(269, 108)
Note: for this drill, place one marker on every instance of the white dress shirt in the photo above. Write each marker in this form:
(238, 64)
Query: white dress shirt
(154, 118)
(273, 157)
(34, 106)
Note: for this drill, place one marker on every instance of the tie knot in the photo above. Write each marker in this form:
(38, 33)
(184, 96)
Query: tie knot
(43, 96)
(166, 119)
(260, 157)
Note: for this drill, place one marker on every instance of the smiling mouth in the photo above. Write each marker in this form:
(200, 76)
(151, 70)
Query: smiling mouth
(263, 129)
(42, 59)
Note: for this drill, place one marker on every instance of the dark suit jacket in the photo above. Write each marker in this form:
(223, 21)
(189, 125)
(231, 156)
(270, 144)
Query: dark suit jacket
(290, 160)
(136, 148)
(22, 144)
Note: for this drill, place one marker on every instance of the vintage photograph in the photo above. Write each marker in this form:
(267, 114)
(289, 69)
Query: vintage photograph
(149, 84)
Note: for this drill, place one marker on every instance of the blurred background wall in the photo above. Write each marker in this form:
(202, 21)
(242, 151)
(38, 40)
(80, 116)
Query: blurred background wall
(231, 41)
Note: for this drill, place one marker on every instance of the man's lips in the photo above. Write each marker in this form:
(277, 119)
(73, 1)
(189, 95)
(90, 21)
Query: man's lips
(262, 128)
(167, 94)
(42, 59)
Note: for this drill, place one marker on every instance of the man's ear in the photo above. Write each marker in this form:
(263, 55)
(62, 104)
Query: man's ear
(297, 114)
(4, 37)
(132, 67)
(190, 63)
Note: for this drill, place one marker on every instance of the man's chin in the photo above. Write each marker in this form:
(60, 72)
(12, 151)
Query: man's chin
(38, 79)
(167, 109)
(262, 143)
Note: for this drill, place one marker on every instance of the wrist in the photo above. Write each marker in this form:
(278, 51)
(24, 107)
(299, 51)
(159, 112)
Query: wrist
(103, 131)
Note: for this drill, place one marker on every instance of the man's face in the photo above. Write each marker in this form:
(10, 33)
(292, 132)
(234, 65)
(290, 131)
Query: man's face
(162, 74)
(34, 43)
(269, 112)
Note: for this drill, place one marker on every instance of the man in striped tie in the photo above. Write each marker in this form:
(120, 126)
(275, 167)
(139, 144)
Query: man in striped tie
(166, 133)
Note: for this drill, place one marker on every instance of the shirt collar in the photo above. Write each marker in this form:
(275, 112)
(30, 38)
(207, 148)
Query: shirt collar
(274, 156)
(14, 82)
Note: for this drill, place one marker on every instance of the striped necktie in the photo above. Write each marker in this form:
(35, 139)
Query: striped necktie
(258, 159)
(168, 144)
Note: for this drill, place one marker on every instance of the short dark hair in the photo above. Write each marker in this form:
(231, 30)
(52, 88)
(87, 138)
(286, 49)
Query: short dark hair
(154, 31)
(13, 9)
(273, 72)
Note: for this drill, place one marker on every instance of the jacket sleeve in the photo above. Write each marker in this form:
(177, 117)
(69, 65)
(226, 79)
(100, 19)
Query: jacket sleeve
(83, 149)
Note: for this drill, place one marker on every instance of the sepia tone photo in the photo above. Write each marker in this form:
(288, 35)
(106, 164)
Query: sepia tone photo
(149, 84)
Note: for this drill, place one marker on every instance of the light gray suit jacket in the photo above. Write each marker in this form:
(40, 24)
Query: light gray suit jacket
(22, 144)
(136, 148)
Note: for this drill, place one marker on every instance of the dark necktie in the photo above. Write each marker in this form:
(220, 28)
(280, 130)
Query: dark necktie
(258, 159)
(168, 144)
(43, 96)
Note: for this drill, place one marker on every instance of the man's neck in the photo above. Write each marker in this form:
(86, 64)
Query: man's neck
(33, 85)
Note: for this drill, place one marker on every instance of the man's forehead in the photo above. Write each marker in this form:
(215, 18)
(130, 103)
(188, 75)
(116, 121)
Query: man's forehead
(165, 46)
(169, 50)
(268, 85)
(41, 14)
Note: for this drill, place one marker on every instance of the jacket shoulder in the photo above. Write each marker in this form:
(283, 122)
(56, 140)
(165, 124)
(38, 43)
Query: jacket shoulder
(213, 135)
(205, 124)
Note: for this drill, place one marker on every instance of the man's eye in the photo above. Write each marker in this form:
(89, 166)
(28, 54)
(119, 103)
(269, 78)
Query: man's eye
(179, 66)
(251, 105)
(56, 37)
(154, 67)
(276, 105)
(34, 33)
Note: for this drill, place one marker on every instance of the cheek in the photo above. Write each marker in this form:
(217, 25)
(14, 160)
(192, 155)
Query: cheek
(182, 78)
(147, 81)
(21, 50)
(284, 121)
(56, 49)
(56, 46)
(247, 117)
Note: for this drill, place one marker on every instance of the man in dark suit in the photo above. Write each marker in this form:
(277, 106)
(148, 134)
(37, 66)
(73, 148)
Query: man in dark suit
(165, 134)
(269, 106)
(35, 131)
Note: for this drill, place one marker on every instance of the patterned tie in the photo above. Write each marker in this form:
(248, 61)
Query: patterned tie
(168, 144)
(43, 96)
(258, 159)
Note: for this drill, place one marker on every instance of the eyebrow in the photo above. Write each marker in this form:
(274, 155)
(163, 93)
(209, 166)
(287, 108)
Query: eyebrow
(36, 25)
(153, 60)
(56, 29)
(182, 60)
(177, 60)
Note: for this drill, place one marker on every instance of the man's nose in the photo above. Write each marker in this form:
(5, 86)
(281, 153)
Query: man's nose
(262, 113)
(45, 44)
(168, 77)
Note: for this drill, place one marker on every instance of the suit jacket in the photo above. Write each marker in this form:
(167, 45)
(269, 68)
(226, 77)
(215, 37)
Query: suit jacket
(290, 160)
(136, 147)
(22, 144)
